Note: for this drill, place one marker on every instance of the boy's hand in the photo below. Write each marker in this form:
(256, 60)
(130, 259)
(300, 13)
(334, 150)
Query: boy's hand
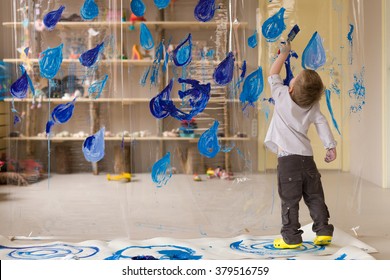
(285, 47)
(330, 155)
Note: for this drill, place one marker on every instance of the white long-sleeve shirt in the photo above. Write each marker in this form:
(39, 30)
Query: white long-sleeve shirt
(290, 123)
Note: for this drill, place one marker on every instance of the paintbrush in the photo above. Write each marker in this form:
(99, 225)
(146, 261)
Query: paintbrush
(294, 31)
(291, 35)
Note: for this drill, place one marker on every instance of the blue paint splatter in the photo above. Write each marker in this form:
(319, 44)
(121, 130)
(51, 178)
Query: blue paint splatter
(98, 87)
(93, 146)
(89, 10)
(158, 252)
(52, 251)
(204, 10)
(50, 62)
(358, 93)
(287, 64)
(182, 54)
(314, 56)
(17, 119)
(252, 88)
(274, 26)
(20, 87)
(138, 7)
(329, 104)
(60, 114)
(342, 257)
(223, 74)
(145, 76)
(350, 40)
(242, 75)
(161, 4)
(145, 37)
(156, 64)
(161, 105)
(265, 247)
(227, 148)
(162, 170)
(197, 96)
(208, 142)
(90, 57)
(50, 20)
(252, 40)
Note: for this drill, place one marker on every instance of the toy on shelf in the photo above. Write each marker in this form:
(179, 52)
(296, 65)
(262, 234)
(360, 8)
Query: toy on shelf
(133, 19)
(172, 133)
(187, 128)
(123, 177)
(197, 178)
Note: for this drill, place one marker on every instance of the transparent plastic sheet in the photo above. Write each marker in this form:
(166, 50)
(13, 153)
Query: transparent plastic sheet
(89, 206)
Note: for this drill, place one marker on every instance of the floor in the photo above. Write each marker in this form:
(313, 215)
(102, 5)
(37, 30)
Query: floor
(81, 207)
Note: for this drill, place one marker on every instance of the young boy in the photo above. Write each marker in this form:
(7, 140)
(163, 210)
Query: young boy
(296, 107)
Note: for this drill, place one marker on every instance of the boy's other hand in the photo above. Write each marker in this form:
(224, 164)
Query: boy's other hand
(330, 155)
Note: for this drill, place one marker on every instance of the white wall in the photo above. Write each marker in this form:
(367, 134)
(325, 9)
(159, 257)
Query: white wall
(366, 128)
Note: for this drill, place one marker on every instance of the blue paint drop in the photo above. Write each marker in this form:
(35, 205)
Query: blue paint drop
(146, 38)
(161, 105)
(358, 93)
(329, 104)
(98, 87)
(90, 57)
(287, 64)
(350, 33)
(182, 54)
(20, 87)
(252, 40)
(208, 142)
(314, 55)
(162, 170)
(156, 64)
(198, 97)
(50, 62)
(204, 10)
(145, 76)
(17, 119)
(89, 10)
(50, 20)
(253, 87)
(274, 26)
(138, 7)
(60, 114)
(161, 4)
(223, 74)
(93, 146)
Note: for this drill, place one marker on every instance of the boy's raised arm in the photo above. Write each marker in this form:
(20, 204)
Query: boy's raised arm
(285, 48)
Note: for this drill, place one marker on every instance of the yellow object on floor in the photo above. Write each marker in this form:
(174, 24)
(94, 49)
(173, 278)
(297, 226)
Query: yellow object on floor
(322, 240)
(280, 244)
(121, 177)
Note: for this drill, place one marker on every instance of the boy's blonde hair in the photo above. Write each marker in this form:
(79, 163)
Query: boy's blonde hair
(308, 88)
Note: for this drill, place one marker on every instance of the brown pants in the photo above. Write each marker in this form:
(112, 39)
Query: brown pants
(298, 176)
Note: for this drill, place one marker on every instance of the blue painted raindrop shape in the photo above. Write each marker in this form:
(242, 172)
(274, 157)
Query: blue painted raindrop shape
(138, 7)
(252, 40)
(182, 54)
(314, 56)
(162, 170)
(89, 10)
(146, 37)
(161, 105)
(50, 20)
(204, 10)
(208, 142)
(20, 87)
(90, 57)
(93, 146)
(161, 4)
(223, 74)
(274, 26)
(50, 62)
(60, 114)
(98, 87)
(198, 96)
(253, 87)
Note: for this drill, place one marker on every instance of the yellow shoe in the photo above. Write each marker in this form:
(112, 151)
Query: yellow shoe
(280, 244)
(322, 240)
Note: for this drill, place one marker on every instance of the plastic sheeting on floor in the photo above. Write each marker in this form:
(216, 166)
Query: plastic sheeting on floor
(343, 247)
